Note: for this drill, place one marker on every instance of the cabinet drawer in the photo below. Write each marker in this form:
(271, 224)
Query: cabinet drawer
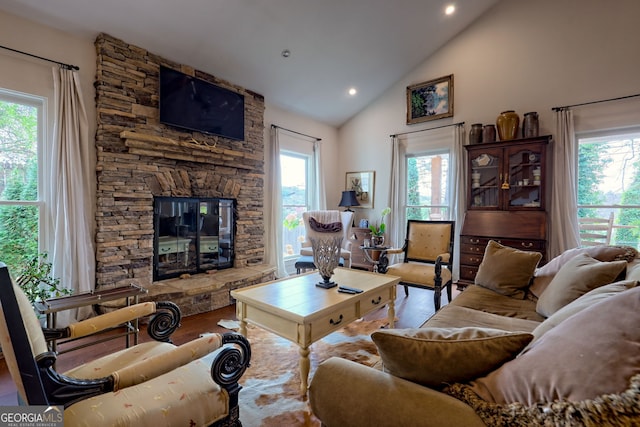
(474, 241)
(470, 259)
(468, 272)
(473, 249)
(523, 245)
(338, 319)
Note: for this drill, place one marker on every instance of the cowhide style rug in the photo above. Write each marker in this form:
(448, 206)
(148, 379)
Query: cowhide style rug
(271, 385)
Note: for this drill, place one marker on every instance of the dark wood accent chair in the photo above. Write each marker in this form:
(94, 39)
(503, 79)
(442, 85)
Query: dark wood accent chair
(149, 384)
(428, 258)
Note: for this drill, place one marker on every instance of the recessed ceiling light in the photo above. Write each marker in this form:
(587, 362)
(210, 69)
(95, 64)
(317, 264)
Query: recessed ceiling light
(286, 53)
(450, 9)
(352, 91)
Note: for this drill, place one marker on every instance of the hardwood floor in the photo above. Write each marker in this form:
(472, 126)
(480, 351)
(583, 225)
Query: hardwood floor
(411, 312)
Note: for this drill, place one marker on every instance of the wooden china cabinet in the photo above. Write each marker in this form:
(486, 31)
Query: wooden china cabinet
(506, 200)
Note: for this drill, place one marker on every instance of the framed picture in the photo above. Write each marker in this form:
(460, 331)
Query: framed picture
(430, 100)
(363, 183)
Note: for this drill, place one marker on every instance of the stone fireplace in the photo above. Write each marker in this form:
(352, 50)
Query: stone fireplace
(138, 158)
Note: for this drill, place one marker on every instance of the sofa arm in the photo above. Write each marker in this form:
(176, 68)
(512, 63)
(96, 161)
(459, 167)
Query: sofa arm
(346, 394)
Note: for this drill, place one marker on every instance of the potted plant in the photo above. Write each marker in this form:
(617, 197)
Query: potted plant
(36, 281)
(377, 231)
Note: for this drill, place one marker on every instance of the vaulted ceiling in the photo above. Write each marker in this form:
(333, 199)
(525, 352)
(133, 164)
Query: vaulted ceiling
(333, 45)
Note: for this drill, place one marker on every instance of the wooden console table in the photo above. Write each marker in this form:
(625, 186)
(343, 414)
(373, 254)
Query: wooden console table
(52, 306)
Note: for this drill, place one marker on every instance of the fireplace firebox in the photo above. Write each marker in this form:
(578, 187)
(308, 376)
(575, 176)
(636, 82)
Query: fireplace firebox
(192, 235)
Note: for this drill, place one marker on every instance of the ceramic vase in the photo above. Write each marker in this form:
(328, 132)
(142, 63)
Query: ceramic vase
(488, 133)
(530, 126)
(475, 134)
(508, 123)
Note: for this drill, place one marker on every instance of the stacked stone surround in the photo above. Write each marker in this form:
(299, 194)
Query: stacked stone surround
(139, 158)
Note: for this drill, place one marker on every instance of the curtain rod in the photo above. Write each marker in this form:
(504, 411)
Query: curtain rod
(293, 131)
(424, 130)
(595, 102)
(67, 66)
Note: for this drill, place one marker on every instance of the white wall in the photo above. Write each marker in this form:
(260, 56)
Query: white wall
(521, 55)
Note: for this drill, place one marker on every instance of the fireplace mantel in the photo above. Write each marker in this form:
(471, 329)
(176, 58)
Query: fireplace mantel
(192, 151)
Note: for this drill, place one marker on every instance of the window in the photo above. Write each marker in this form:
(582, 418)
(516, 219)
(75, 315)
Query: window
(428, 193)
(295, 173)
(609, 182)
(21, 206)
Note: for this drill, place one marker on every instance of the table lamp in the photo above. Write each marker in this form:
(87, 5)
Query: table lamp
(349, 199)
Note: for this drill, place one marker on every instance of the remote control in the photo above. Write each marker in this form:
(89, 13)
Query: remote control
(347, 288)
(345, 291)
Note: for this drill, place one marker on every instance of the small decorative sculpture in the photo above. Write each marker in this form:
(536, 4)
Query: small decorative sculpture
(326, 257)
(326, 242)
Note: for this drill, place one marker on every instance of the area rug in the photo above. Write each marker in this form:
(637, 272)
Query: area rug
(271, 386)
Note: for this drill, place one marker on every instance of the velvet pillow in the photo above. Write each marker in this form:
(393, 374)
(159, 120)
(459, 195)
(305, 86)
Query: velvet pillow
(506, 270)
(592, 353)
(435, 357)
(544, 274)
(575, 278)
(585, 301)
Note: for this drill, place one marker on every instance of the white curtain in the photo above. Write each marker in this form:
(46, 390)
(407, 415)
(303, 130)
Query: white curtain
(71, 205)
(563, 223)
(458, 192)
(319, 200)
(274, 248)
(397, 218)
(437, 139)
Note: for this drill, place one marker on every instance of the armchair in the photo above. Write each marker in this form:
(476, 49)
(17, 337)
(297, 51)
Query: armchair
(150, 384)
(327, 217)
(427, 249)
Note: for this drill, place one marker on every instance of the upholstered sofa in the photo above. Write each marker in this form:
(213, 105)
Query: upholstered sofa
(526, 345)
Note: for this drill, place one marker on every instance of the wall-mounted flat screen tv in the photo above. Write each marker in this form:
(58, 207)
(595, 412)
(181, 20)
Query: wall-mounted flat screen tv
(191, 103)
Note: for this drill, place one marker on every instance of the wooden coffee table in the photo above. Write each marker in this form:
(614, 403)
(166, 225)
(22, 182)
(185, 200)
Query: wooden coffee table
(299, 311)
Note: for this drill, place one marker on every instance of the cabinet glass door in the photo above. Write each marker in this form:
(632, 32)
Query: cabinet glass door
(485, 180)
(525, 184)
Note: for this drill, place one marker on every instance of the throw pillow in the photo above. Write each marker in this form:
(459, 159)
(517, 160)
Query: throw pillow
(593, 352)
(506, 270)
(620, 409)
(544, 274)
(435, 357)
(333, 227)
(585, 301)
(577, 277)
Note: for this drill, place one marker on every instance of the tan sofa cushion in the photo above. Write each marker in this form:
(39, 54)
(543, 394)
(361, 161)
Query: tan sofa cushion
(435, 357)
(506, 270)
(578, 276)
(591, 353)
(544, 274)
(585, 301)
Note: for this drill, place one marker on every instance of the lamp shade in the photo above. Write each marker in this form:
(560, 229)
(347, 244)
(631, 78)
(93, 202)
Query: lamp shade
(349, 199)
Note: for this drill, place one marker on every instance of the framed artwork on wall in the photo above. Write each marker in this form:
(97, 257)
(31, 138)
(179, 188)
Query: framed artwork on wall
(430, 100)
(363, 183)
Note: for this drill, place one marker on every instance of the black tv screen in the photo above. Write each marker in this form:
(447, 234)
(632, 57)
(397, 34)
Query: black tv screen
(191, 103)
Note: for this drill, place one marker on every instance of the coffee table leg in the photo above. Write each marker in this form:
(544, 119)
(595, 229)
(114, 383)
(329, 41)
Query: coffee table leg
(241, 316)
(305, 366)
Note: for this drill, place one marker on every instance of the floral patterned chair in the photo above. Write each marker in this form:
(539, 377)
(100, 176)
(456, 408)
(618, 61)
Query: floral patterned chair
(150, 384)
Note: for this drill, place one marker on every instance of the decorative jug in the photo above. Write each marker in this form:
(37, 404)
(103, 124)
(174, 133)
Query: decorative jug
(507, 124)
(530, 127)
(489, 133)
(475, 134)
